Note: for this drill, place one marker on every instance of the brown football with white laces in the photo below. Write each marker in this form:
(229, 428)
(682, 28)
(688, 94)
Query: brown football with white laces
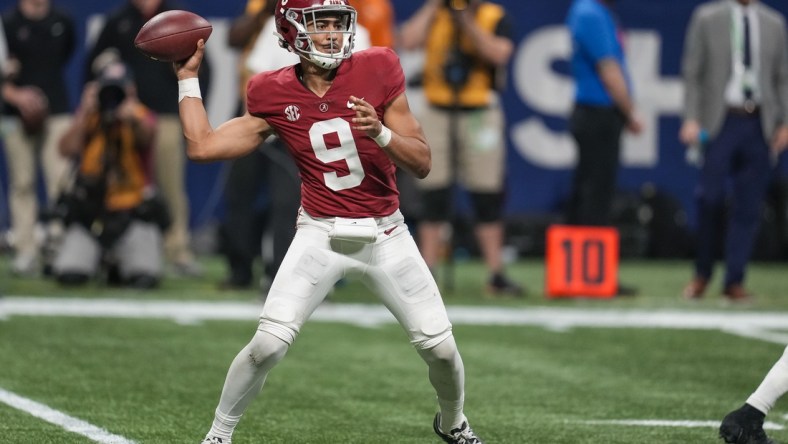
(172, 36)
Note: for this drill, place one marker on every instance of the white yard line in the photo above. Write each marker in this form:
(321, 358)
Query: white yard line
(671, 423)
(766, 326)
(756, 332)
(57, 418)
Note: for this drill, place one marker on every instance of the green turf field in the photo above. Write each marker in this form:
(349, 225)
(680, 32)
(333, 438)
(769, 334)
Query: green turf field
(157, 380)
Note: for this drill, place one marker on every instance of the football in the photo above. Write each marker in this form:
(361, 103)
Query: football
(172, 35)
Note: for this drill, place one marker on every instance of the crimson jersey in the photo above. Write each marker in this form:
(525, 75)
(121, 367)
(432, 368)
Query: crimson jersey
(344, 173)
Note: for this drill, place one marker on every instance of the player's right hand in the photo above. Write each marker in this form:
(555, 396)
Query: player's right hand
(188, 68)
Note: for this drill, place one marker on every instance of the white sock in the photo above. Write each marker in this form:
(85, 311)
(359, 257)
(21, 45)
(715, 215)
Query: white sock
(244, 380)
(774, 385)
(451, 414)
(223, 425)
(447, 375)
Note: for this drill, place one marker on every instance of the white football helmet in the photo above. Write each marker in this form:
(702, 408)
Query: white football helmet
(292, 18)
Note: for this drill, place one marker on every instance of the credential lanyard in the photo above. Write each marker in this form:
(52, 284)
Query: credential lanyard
(746, 75)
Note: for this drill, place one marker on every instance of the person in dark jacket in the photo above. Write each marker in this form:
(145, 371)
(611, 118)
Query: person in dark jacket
(40, 41)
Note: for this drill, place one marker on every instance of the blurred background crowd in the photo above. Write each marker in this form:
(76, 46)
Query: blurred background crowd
(492, 82)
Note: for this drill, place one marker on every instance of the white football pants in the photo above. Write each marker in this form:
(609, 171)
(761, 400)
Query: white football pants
(390, 266)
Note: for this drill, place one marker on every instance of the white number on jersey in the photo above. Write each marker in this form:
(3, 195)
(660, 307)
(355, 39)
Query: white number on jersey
(346, 151)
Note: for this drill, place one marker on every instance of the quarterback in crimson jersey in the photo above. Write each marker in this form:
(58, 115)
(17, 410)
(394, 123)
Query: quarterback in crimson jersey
(346, 120)
(344, 172)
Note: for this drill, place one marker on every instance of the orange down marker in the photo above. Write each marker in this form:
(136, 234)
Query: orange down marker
(582, 261)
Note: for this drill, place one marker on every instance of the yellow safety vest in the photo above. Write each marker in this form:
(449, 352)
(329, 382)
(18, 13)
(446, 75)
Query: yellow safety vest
(123, 169)
(481, 79)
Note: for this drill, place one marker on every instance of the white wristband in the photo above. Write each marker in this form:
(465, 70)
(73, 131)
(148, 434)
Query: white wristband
(384, 138)
(189, 88)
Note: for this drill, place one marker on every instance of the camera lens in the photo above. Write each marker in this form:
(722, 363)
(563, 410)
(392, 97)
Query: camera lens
(110, 97)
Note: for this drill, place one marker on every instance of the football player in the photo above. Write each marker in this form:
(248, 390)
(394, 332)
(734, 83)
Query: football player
(745, 424)
(346, 121)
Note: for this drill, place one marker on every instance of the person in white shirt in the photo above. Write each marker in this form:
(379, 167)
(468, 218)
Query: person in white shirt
(735, 73)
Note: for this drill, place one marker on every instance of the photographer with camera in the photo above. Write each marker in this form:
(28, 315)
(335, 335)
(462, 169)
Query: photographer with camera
(112, 215)
(467, 45)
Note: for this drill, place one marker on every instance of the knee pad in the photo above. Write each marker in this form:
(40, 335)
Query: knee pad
(445, 351)
(436, 204)
(488, 206)
(265, 349)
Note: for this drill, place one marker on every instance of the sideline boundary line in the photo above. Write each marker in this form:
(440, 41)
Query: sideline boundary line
(764, 326)
(52, 416)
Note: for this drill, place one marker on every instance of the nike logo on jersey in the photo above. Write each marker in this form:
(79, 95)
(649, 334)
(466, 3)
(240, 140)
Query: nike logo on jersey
(350, 104)
(387, 232)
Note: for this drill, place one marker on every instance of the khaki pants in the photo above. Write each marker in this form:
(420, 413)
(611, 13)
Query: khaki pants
(170, 159)
(23, 152)
(480, 150)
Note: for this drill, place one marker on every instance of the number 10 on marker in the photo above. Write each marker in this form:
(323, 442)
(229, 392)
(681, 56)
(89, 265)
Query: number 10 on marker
(581, 261)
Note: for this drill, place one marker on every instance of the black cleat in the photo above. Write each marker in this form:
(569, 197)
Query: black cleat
(744, 426)
(461, 435)
(214, 440)
(501, 286)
